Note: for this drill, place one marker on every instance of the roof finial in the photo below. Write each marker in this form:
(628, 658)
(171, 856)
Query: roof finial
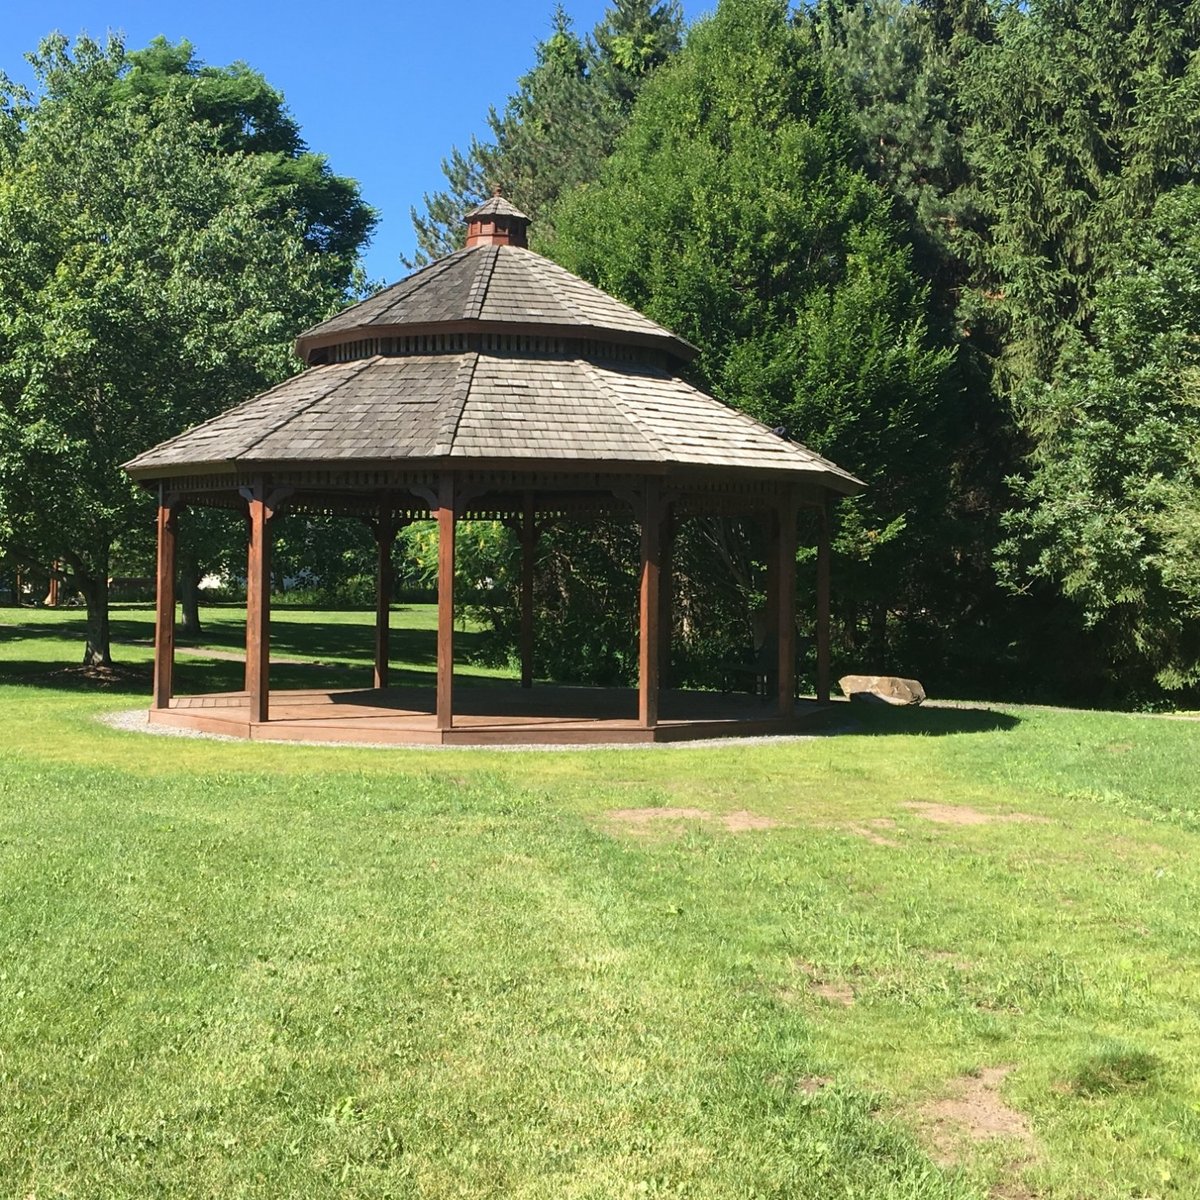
(496, 222)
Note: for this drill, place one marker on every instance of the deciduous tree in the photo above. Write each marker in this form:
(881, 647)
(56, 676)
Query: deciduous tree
(148, 278)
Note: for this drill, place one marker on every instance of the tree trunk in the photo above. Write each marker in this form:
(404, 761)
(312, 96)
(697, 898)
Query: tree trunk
(189, 596)
(98, 651)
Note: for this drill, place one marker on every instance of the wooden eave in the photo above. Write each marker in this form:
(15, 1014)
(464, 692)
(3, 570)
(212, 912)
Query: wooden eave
(679, 348)
(683, 473)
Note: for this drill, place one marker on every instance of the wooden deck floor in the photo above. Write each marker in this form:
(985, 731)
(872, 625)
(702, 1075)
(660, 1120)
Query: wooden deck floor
(499, 715)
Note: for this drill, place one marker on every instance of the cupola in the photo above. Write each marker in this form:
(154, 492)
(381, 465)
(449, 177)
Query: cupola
(497, 223)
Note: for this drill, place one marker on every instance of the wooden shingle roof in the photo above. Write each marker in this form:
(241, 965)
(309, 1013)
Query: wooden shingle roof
(492, 355)
(501, 288)
(495, 206)
(475, 406)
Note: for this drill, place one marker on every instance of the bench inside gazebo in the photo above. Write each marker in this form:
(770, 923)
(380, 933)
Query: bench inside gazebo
(493, 384)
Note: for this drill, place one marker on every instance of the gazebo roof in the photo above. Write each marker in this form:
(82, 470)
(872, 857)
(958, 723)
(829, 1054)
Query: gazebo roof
(494, 358)
(500, 288)
(472, 406)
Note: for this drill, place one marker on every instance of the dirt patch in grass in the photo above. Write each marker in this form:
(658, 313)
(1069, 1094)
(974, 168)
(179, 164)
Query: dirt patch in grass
(871, 831)
(743, 821)
(963, 814)
(973, 1111)
(950, 959)
(810, 1085)
(835, 991)
(642, 820)
(103, 677)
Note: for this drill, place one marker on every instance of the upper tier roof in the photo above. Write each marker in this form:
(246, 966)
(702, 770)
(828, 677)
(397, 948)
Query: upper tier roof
(492, 288)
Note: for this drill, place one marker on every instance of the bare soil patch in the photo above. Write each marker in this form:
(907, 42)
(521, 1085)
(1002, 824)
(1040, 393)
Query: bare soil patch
(810, 1085)
(115, 675)
(835, 991)
(649, 816)
(743, 821)
(871, 831)
(642, 820)
(973, 1111)
(963, 814)
(950, 959)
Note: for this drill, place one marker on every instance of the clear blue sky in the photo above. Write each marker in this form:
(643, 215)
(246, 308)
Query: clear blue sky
(384, 89)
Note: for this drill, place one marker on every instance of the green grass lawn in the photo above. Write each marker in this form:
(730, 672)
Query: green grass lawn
(243, 970)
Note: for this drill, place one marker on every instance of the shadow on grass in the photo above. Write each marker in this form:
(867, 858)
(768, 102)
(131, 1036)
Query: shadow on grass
(289, 637)
(197, 677)
(413, 654)
(883, 720)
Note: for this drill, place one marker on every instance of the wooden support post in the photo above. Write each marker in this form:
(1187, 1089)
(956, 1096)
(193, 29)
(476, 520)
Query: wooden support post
(445, 595)
(770, 624)
(249, 571)
(528, 549)
(666, 597)
(385, 536)
(164, 618)
(824, 554)
(258, 608)
(650, 607)
(786, 604)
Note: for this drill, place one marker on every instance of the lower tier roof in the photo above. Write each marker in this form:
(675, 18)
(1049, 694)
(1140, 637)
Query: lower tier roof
(494, 406)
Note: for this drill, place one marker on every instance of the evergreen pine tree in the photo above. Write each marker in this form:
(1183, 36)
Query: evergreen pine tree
(559, 125)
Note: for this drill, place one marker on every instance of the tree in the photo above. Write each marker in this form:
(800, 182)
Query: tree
(732, 211)
(251, 117)
(147, 280)
(1111, 510)
(559, 125)
(1076, 117)
(901, 65)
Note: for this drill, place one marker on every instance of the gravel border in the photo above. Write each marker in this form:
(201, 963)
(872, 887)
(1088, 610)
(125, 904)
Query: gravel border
(134, 720)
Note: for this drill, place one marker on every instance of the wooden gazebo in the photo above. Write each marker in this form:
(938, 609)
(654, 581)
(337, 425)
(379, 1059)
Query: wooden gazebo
(491, 384)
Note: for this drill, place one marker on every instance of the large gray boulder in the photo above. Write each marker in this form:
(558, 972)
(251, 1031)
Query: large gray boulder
(881, 689)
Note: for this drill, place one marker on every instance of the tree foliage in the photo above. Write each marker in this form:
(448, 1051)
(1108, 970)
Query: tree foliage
(560, 123)
(148, 279)
(251, 117)
(1077, 115)
(1111, 510)
(732, 211)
